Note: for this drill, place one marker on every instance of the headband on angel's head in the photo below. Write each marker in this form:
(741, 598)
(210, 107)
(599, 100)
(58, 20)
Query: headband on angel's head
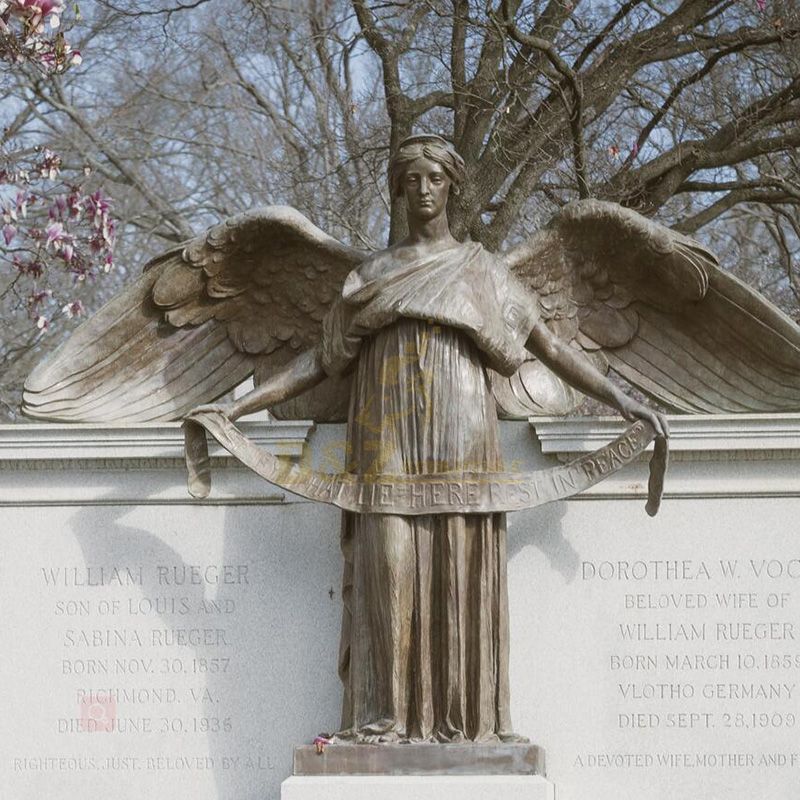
(430, 146)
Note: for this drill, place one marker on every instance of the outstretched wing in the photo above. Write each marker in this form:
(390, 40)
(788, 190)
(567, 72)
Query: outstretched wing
(655, 306)
(248, 295)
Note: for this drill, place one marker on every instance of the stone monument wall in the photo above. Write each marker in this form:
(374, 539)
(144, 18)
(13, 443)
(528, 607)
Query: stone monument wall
(154, 645)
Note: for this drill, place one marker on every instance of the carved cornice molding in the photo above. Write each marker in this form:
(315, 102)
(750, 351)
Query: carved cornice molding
(742, 456)
(712, 437)
(130, 465)
(140, 446)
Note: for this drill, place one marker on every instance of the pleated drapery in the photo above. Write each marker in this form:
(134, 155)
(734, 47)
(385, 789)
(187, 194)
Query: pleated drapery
(424, 647)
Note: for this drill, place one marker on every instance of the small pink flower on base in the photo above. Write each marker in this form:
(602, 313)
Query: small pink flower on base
(321, 742)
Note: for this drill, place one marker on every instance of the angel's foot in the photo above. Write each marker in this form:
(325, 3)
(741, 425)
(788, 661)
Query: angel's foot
(382, 731)
(513, 738)
(449, 736)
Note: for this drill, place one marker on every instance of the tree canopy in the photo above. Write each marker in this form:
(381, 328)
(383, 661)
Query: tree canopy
(188, 111)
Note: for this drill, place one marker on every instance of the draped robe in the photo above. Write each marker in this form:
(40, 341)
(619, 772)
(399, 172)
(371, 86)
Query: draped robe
(424, 644)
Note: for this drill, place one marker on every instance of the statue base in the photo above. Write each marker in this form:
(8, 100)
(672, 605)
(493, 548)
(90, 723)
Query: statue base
(421, 771)
(420, 759)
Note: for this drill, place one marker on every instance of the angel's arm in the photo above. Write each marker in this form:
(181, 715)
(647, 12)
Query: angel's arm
(300, 374)
(576, 370)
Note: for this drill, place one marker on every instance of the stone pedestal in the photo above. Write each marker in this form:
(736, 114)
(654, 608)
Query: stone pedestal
(420, 759)
(403, 787)
(419, 771)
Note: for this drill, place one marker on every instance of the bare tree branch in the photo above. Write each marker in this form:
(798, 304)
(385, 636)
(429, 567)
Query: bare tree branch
(733, 198)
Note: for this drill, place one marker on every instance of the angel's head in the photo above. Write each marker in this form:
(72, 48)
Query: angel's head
(425, 169)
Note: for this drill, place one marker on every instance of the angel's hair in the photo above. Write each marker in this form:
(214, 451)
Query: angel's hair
(429, 146)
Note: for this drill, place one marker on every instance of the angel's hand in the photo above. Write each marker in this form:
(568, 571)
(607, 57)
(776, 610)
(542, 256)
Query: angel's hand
(215, 408)
(632, 410)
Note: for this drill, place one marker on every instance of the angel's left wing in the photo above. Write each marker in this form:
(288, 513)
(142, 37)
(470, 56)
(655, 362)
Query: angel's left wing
(244, 297)
(655, 306)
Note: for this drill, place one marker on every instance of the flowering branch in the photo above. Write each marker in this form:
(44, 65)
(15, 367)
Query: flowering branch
(50, 228)
(47, 224)
(28, 35)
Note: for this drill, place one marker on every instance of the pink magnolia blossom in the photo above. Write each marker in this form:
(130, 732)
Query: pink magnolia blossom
(98, 206)
(51, 164)
(34, 13)
(59, 207)
(55, 233)
(63, 243)
(21, 203)
(762, 5)
(39, 8)
(42, 323)
(9, 232)
(73, 309)
(73, 202)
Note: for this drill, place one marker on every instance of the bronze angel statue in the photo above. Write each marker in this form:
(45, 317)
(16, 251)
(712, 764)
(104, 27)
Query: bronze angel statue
(418, 347)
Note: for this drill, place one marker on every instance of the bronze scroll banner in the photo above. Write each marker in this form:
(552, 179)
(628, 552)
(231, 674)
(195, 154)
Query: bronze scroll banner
(434, 493)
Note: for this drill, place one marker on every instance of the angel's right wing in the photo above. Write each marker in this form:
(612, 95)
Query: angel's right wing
(655, 306)
(248, 295)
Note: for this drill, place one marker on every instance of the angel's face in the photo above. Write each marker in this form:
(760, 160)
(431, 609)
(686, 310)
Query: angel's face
(426, 187)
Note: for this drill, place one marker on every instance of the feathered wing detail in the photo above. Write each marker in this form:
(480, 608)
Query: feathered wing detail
(248, 295)
(655, 306)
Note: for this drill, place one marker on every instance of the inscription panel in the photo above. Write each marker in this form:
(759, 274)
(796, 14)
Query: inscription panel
(152, 644)
(675, 648)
